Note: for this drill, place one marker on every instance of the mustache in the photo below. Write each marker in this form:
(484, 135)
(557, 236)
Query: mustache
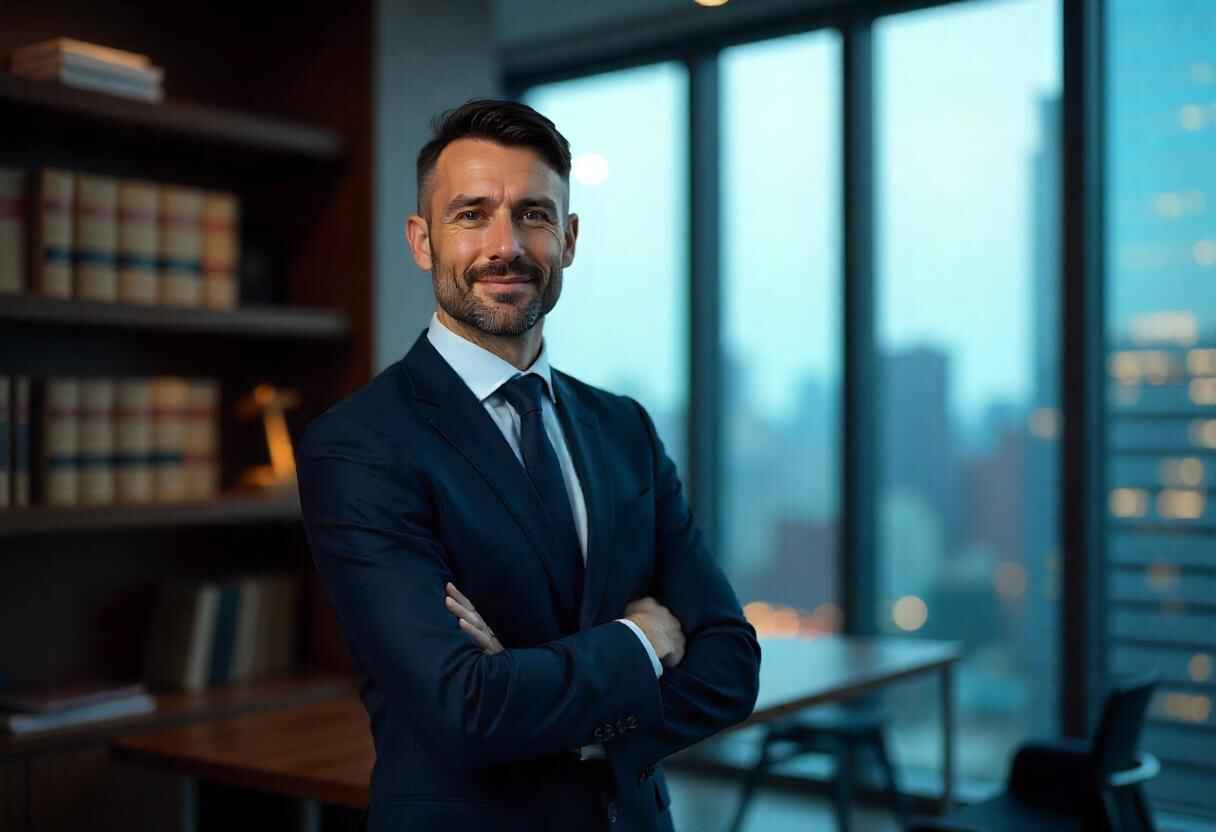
(500, 269)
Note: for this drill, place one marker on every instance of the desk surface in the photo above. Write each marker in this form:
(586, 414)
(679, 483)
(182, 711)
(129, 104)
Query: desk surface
(323, 750)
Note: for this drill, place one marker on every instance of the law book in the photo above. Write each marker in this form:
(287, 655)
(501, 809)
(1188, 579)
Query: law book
(134, 448)
(181, 635)
(71, 46)
(249, 646)
(169, 397)
(201, 460)
(23, 723)
(12, 230)
(42, 699)
(138, 241)
(221, 249)
(97, 442)
(23, 451)
(6, 443)
(96, 238)
(61, 442)
(181, 246)
(53, 232)
(224, 645)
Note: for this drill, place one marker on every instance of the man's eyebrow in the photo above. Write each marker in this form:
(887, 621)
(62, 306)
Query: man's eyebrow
(539, 202)
(464, 201)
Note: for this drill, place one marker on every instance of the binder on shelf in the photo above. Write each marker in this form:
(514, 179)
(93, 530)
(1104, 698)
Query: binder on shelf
(23, 451)
(138, 241)
(181, 246)
(96, 442)
(96, 240)
(12, 230)
(182, 632)
(6, 443)
(53, 232)
(134, 445)
(61, 442)
(220, 221)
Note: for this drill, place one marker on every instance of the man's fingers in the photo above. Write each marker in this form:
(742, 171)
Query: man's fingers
(458, 595)
(480, 637)
(465, 614)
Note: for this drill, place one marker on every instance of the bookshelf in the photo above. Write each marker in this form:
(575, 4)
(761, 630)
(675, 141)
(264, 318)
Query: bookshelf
(274, 106)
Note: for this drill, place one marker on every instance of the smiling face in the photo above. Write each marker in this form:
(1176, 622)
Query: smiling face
(495, 236)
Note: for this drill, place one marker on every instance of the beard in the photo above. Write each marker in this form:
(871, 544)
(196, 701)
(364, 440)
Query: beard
(514, 309)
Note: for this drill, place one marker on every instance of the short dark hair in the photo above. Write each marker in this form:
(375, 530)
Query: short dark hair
(506, 122)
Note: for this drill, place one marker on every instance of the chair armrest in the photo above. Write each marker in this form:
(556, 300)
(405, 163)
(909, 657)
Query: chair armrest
(1052, 775)
(1147, 767)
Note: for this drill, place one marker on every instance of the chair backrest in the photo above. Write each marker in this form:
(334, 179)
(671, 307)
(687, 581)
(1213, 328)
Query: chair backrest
(1118, 734)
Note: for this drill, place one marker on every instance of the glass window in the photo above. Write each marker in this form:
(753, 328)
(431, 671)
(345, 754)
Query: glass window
(781, 340)
(1161, 321)
(967, 259)
(621, 322)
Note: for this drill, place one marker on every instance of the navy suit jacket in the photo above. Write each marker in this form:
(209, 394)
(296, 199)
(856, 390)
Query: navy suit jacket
(408, 484)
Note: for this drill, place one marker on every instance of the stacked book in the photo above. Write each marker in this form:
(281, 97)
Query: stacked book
(91, 67)
(42, 708)
(104, 238)
(210, 633)
(95, 442)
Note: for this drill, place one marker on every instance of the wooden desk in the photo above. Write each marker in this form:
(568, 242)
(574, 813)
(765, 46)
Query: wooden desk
(322, 752)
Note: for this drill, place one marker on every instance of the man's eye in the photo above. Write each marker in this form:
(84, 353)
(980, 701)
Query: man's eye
(536, 215)
(471, 214)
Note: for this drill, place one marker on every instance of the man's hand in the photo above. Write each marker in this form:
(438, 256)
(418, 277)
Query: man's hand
(471, 622)
(661, 628)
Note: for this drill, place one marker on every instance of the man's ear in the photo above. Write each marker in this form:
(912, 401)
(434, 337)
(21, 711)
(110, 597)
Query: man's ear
(571, 239)
(418, 233)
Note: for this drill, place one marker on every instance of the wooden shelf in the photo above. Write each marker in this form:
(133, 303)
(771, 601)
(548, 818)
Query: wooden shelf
(227, 510)
(168, 119)
(245, 321)
(183, 708)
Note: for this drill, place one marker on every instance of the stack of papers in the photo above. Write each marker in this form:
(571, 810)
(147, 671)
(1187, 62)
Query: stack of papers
(90, 66)
(30, 709)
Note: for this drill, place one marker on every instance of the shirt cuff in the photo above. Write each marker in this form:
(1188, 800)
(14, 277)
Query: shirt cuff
(654, 657)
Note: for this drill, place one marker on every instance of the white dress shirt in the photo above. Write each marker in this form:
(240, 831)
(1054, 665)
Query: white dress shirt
(484, 372)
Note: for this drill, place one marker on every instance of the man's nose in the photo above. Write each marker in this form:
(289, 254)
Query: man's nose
(504, 240)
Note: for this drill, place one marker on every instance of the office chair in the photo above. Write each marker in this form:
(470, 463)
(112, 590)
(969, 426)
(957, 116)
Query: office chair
(1071, 785)
(841, 731)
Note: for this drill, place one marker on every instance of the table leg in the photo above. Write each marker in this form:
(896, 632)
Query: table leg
(189, 804)
(310, 816)
(947, 694)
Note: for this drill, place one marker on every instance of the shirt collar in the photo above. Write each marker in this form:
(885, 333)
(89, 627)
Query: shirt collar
(483, 371)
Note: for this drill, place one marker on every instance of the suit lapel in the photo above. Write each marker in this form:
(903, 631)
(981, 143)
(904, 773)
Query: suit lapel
(583, 437)
(453, 410)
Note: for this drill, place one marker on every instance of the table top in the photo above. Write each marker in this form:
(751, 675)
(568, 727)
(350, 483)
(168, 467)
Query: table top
(323, 750)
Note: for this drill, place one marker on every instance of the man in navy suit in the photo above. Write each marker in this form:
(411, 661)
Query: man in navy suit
(509, 550)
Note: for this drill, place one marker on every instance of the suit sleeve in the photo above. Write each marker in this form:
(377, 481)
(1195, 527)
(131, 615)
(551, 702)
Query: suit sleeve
(369, 523)
(716, 684)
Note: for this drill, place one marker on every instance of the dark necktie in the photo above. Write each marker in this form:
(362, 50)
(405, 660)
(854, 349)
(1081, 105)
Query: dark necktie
(524, 393)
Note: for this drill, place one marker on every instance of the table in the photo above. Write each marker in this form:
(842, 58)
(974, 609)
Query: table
(322, 752)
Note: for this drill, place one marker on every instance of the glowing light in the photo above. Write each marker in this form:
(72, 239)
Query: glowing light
(1010, 581)
(1187, 471)
(1169, 205)
(1180, 504)
(1191, 117)
(589, 169)
(710, 3)
(1162, 577)
(1203, 73)
(909, 613)
(1045, 423)
(1180, 327)
(1205, 252)
(1187, 707)
(1203, 391)
(828, 616)
(1125, 366)
(1203, 433)
(1201, 362)
(1199, 668)
(1129, 502)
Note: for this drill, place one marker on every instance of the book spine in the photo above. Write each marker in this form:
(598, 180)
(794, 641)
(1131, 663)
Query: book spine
(6, 442)
(96, 442)
(23, 451)
(138, 242)
(12, 231)
(202, 440)
(134, 446)
(246, 651)
(181, 247)
(221, 250)
(169, 438)
(53, 253)
(61, 450)
(225, 634)
(202, 637)
(96, 238)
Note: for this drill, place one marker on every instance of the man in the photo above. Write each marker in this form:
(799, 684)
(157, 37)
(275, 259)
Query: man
(508, 549)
